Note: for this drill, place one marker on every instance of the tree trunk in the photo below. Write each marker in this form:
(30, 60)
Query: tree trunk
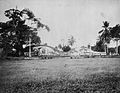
(106, 49)
(19, 50)
(17, 53)
(30, 47)
(6, 50)
(4, 53)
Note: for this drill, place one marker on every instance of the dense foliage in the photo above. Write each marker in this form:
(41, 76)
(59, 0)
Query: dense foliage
(99, 47)
(16, 32)
(66, 48)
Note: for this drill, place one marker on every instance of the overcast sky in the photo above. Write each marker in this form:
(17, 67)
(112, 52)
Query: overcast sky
(80, 18)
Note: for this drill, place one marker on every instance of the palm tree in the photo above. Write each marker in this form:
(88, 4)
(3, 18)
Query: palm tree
(71, 41)
(105, 36)
(115, 34)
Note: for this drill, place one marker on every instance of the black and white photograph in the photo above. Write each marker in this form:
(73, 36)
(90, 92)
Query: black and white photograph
(59, 46)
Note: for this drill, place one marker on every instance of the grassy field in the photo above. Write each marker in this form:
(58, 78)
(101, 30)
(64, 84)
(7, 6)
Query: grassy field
(60, 75)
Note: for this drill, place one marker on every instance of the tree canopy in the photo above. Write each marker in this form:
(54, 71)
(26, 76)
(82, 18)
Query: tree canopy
(67, 47)
(105, 33)
(15, 32)
(71, 41)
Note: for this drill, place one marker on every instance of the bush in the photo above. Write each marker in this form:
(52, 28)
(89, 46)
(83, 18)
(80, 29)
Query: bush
(66, 48)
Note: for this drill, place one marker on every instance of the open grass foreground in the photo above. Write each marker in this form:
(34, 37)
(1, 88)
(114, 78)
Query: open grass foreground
(60, 75)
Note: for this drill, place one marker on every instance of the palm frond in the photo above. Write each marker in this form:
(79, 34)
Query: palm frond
(28, 12)
(48, 29)
(100, 31)
(39, 24)
(106, 24)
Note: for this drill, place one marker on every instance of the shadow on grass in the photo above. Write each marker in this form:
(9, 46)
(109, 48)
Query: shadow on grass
(95, 83)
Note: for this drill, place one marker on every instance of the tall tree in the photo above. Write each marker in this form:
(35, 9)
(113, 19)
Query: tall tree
(71, 41)
(16, 32)
(105, 35)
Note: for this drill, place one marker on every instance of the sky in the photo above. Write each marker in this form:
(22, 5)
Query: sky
(82, 19)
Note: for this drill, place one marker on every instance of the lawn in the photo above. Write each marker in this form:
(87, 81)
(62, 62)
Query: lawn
(60, 75)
